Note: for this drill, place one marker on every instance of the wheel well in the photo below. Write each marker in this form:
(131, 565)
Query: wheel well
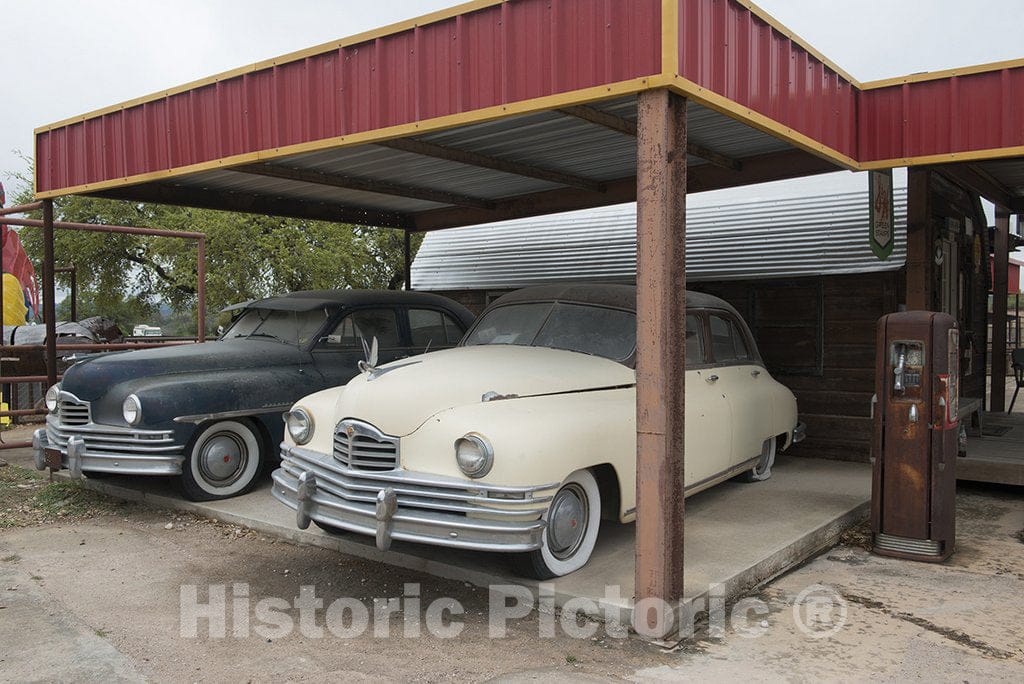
(608, 485)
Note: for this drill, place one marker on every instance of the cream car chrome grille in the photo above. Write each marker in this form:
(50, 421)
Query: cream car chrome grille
(361, 446)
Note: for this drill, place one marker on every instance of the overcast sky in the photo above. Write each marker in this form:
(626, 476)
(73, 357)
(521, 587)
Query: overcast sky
(67, 57)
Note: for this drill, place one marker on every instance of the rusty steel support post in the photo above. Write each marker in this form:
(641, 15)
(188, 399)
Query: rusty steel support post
(919, 241)
(49, 295)
(201, 289)
(661, 331)
(73, 272)
(1000, 275)
(408, 260)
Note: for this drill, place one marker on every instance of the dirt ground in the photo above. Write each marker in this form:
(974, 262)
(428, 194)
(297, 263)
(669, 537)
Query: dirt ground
(90, 589)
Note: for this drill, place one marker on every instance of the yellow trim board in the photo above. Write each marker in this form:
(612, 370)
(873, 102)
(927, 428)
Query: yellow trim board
(724, 105)
(366, 36)
(548, 102)
(945, 73)
(670, 38)
(947, 158)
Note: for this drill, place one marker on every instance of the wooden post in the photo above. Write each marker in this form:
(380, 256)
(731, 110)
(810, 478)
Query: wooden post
(661, 335)
(408, 260)
(1001, 264)
(919, 241)
(49, 294)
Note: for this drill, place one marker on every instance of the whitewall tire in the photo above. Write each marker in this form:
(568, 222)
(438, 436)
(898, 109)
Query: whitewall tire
(573, 520)
(223, 459)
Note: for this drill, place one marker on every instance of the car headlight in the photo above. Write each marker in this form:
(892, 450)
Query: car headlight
(474, 455)
(300, 425)
(52, 395)
(131, 409)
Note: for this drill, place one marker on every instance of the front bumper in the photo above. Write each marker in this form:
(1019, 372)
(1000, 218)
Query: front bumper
(416, 507)
(109, 449)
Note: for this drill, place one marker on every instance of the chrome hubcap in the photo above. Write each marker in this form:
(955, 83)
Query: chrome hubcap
(567, 521)
(223, 458)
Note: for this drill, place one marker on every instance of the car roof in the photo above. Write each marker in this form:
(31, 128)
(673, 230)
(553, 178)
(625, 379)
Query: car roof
(308, 300)
(604, 294)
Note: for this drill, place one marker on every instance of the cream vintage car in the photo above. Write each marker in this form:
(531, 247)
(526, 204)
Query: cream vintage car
(523, 437)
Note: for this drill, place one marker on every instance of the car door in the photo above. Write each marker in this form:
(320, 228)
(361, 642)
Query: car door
(708, 414)
(744, 382)
(338, 354)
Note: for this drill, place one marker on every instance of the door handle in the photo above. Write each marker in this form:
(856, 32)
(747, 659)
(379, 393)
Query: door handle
(755, 373)
(712, 379)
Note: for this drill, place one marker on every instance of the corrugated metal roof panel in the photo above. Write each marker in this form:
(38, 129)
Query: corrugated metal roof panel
(801, 236)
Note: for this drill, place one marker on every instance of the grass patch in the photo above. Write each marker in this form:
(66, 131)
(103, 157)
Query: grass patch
(27, 497)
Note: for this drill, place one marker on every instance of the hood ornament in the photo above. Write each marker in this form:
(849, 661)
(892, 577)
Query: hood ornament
(370, 352)
(369, 366)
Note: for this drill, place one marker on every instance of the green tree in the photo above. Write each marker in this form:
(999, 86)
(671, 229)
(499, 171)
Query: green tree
(248, 256)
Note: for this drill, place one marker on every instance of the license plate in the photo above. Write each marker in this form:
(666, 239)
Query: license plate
(52, 458)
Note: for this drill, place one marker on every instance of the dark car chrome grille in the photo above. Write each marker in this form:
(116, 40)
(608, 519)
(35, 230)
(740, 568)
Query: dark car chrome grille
(361, 446)
(73, 412)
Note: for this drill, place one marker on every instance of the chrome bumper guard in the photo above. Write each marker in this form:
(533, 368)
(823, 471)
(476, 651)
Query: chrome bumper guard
(799, 432)
(109, 449)
(407, 506)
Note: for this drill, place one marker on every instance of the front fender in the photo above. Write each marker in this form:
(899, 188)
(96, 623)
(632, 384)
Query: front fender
(167, 397)
(536, 440)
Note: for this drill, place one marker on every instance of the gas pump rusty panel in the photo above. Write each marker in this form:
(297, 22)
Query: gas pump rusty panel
(915, 438)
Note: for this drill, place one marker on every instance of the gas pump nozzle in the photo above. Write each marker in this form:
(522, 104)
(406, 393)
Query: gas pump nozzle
(901, 363)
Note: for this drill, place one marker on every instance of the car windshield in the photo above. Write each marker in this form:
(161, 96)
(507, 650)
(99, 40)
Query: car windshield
(290, 327)
(596, 330)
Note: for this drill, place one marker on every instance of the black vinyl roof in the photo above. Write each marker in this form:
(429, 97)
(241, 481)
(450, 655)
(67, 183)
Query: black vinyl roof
(308, 300)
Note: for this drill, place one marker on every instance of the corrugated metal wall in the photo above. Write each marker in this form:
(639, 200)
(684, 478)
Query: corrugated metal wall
(727, 48)
(781, 238)
(957, 114)
(498, 55)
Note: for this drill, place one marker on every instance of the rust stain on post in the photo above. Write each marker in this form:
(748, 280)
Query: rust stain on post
(661, 331)
(201, 289)
(919, 242)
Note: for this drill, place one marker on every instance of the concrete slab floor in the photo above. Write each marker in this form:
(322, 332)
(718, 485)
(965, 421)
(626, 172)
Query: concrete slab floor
(737, 535)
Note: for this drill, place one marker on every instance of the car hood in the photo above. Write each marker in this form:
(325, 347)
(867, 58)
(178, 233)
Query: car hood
(90, 378)
(402, 395)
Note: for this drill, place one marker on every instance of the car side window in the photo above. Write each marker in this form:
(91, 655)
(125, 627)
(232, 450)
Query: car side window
(365, 324)
(694, 341)
(728, 343)
(433, 329)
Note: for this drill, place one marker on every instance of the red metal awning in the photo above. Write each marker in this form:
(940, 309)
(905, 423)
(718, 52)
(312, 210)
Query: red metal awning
(493, 110)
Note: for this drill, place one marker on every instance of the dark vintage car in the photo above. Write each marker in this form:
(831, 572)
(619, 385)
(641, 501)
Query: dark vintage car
(211, 413)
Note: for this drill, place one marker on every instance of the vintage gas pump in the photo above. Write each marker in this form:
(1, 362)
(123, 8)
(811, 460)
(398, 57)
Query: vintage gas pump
(916, 432)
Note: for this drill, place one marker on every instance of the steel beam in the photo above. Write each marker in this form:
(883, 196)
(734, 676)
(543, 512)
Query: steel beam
(408, 260)
(370, 185)
(201, 289)
(426, 149)
(919, 240)
(256, 204)
(49, 294)
(627, 127)
(1000, 276)
(661, 330)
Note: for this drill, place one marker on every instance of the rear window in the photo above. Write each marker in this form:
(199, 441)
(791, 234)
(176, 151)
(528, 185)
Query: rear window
(728, 344)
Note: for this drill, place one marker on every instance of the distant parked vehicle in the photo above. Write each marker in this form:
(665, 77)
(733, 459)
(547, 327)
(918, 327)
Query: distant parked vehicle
(521, 439)
(211, 413)
(147, 331)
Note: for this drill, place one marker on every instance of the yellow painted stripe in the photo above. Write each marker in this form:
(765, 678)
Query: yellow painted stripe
(577, 97)
(670, 38)
(948, 158)
(946, 73)
(391, 29)
(732, 109)
(784, 30)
